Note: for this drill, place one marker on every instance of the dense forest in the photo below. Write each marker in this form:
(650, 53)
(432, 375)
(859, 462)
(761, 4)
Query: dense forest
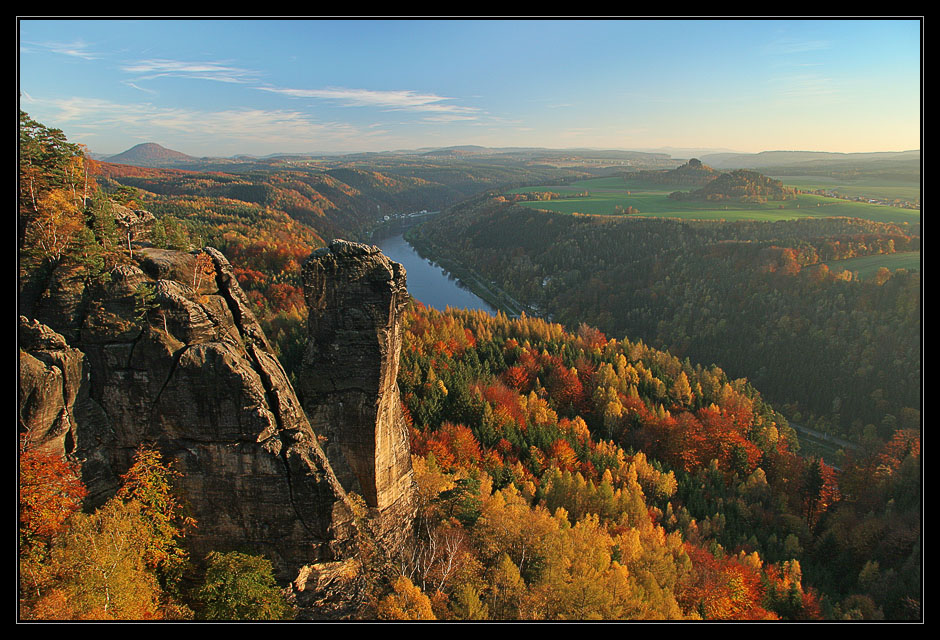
(839, 354)
(562, 473)
(578, 477)
(740, 185)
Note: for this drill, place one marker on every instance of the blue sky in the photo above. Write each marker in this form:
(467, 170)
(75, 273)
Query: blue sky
(223, 87)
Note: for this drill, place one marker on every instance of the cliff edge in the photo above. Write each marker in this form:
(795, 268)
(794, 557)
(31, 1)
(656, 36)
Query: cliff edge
(167, 352)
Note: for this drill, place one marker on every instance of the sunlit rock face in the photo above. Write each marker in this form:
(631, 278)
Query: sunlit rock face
(51, 374)
(348, 381)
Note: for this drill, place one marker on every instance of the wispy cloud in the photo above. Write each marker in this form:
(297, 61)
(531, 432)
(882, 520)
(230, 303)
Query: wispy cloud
(445, 118)
(75, 49)
(163, 68)
(289, 130)
(139, 88)
(398, 100)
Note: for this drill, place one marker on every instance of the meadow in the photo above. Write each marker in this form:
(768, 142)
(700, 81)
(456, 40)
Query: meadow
(651, 200)
(864, 187)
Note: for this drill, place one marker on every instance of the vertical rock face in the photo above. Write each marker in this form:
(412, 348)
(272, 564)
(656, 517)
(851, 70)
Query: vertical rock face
(173, 356)
(348, 381)
(167, 352)
(51, 375)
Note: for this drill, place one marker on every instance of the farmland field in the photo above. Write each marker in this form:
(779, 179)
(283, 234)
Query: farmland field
(867, 266)
(862, 187)
(651, 200)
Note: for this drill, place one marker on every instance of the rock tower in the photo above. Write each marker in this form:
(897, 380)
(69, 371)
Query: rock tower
(348, 381)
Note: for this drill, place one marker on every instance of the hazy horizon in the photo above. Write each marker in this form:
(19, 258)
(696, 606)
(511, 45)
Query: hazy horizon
(261, 87)
(675, 153)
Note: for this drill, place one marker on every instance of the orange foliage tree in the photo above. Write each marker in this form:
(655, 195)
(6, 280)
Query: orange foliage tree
(722, 588)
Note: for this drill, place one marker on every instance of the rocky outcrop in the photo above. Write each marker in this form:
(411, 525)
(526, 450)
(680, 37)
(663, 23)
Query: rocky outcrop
(348, 380)
(167, 351)
(172, 355)
(50, 377)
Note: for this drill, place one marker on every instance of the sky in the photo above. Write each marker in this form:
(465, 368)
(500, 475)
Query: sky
(227, 87)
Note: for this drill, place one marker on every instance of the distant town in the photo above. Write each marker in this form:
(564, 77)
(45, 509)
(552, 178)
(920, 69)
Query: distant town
(901, 204)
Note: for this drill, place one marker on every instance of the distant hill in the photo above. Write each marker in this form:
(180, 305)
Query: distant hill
(690, 152)
(469, 149)
(150, 154)
(537, 153)
(692, 174)
(740, 185)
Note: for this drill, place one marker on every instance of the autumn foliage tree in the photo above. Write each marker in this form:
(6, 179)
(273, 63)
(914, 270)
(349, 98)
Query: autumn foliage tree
(50, 492)
(52, 190)
(149, 483)
(406, 602)
(96, 570)
(120, 562)
(723, 588)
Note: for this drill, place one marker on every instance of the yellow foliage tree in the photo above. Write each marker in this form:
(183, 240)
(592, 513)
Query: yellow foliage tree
(98, 570)
(53, 227)
(406, 602)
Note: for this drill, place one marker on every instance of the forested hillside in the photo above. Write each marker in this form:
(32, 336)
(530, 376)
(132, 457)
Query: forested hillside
(572, 476)
(740, 185)
(838, 354)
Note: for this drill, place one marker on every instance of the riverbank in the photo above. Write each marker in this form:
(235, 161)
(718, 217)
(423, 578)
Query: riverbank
(397, 224)
(490, 293)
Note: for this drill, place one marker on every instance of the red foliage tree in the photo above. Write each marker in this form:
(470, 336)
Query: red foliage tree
(722, 588)
(50, 491)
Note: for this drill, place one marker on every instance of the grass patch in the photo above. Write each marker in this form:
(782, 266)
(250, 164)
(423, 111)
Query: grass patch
(652, 201)
(864, 188)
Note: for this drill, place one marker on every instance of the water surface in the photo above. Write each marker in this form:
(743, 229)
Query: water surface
(428, 282)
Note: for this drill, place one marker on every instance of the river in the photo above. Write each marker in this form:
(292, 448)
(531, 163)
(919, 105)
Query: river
(429, 283)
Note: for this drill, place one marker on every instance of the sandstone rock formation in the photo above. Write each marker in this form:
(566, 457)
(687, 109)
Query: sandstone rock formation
(166, 351)
(201, 380)
(51, 375)
(348, 381)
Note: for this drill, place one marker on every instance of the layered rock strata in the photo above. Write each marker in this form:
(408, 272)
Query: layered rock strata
(348, 380)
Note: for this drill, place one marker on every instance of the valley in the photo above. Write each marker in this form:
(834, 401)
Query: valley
(563, 413)
(495, 320)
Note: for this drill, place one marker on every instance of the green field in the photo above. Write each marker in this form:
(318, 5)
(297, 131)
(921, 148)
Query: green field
(862, 187)
(652, 201)
(867, 266)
